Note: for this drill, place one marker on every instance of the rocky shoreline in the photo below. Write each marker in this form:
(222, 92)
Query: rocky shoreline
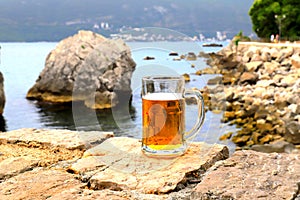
(259, 90)
(63, 164)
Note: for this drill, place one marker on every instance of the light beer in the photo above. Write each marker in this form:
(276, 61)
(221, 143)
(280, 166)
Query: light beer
(163, 121)
(163, 104)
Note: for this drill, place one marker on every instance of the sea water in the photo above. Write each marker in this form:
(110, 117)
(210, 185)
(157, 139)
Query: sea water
(21, 64)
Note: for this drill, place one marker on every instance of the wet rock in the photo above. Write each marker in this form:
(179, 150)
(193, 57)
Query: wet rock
(186, 77)
(229, 115)
(177, 59)
(191, 56)
(226, 136)
(215, 81)
(231, 78)
(173, 54)
(149, 58)
(241, 139)
(261, 114)
(267, 138)
(2, 94)
(199, 72)
(292, 134)
(264, 85)
(202, 54)
(208, 70)
(182, 57)
(278, 146)
(229, 62)
(264, 126)
(212, 45)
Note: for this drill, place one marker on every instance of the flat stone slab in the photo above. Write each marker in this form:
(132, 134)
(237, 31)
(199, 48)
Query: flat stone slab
(55, 138)
(252, 175)
(37, 184)
(119, 164)
(86, 194)
(15, 165)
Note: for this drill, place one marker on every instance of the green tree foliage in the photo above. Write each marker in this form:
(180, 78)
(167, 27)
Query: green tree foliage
(276, 17)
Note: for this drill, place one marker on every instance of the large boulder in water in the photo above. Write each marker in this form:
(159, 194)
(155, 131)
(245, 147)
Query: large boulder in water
(2, 94)
(86, 67)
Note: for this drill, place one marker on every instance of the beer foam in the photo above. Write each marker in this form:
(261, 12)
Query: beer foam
(162, 96)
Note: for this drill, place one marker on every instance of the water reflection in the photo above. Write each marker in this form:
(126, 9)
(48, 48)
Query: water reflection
(56, 115)
(86, 119)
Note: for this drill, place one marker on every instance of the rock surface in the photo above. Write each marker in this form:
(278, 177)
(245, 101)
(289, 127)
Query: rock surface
(259, 92)
(86, 67)
(54, 138)
(61, 164)
(58, 164)
(252, 175)
(37, 184)
(124, 167)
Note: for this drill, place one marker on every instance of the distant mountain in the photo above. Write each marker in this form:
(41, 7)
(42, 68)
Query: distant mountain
(53, 20)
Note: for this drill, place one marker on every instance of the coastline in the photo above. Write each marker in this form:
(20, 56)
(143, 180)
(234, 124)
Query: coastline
(261, 93)
(63, 164)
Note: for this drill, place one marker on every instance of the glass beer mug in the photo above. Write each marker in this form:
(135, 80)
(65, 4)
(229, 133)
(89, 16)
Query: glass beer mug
(163, 107)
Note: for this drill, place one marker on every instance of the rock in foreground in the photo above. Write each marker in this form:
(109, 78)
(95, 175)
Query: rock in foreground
(252, 175)
(86, 67)
(54, 138)
(116, 168)
(125, 167)
(61, 164)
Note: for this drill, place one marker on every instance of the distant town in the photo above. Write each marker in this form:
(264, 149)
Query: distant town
(146, 34)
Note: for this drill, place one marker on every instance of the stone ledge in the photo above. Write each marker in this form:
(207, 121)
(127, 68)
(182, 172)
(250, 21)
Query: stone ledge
(120, 165)
(86, 194)
(54, 138)
(37, 184)
(116, 169)
(101, 172)
(16, 165)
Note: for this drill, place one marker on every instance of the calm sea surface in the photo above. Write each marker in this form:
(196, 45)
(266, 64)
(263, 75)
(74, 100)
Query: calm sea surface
(21, 64)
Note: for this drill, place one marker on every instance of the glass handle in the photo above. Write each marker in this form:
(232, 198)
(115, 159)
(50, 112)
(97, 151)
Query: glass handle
(201, 113)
